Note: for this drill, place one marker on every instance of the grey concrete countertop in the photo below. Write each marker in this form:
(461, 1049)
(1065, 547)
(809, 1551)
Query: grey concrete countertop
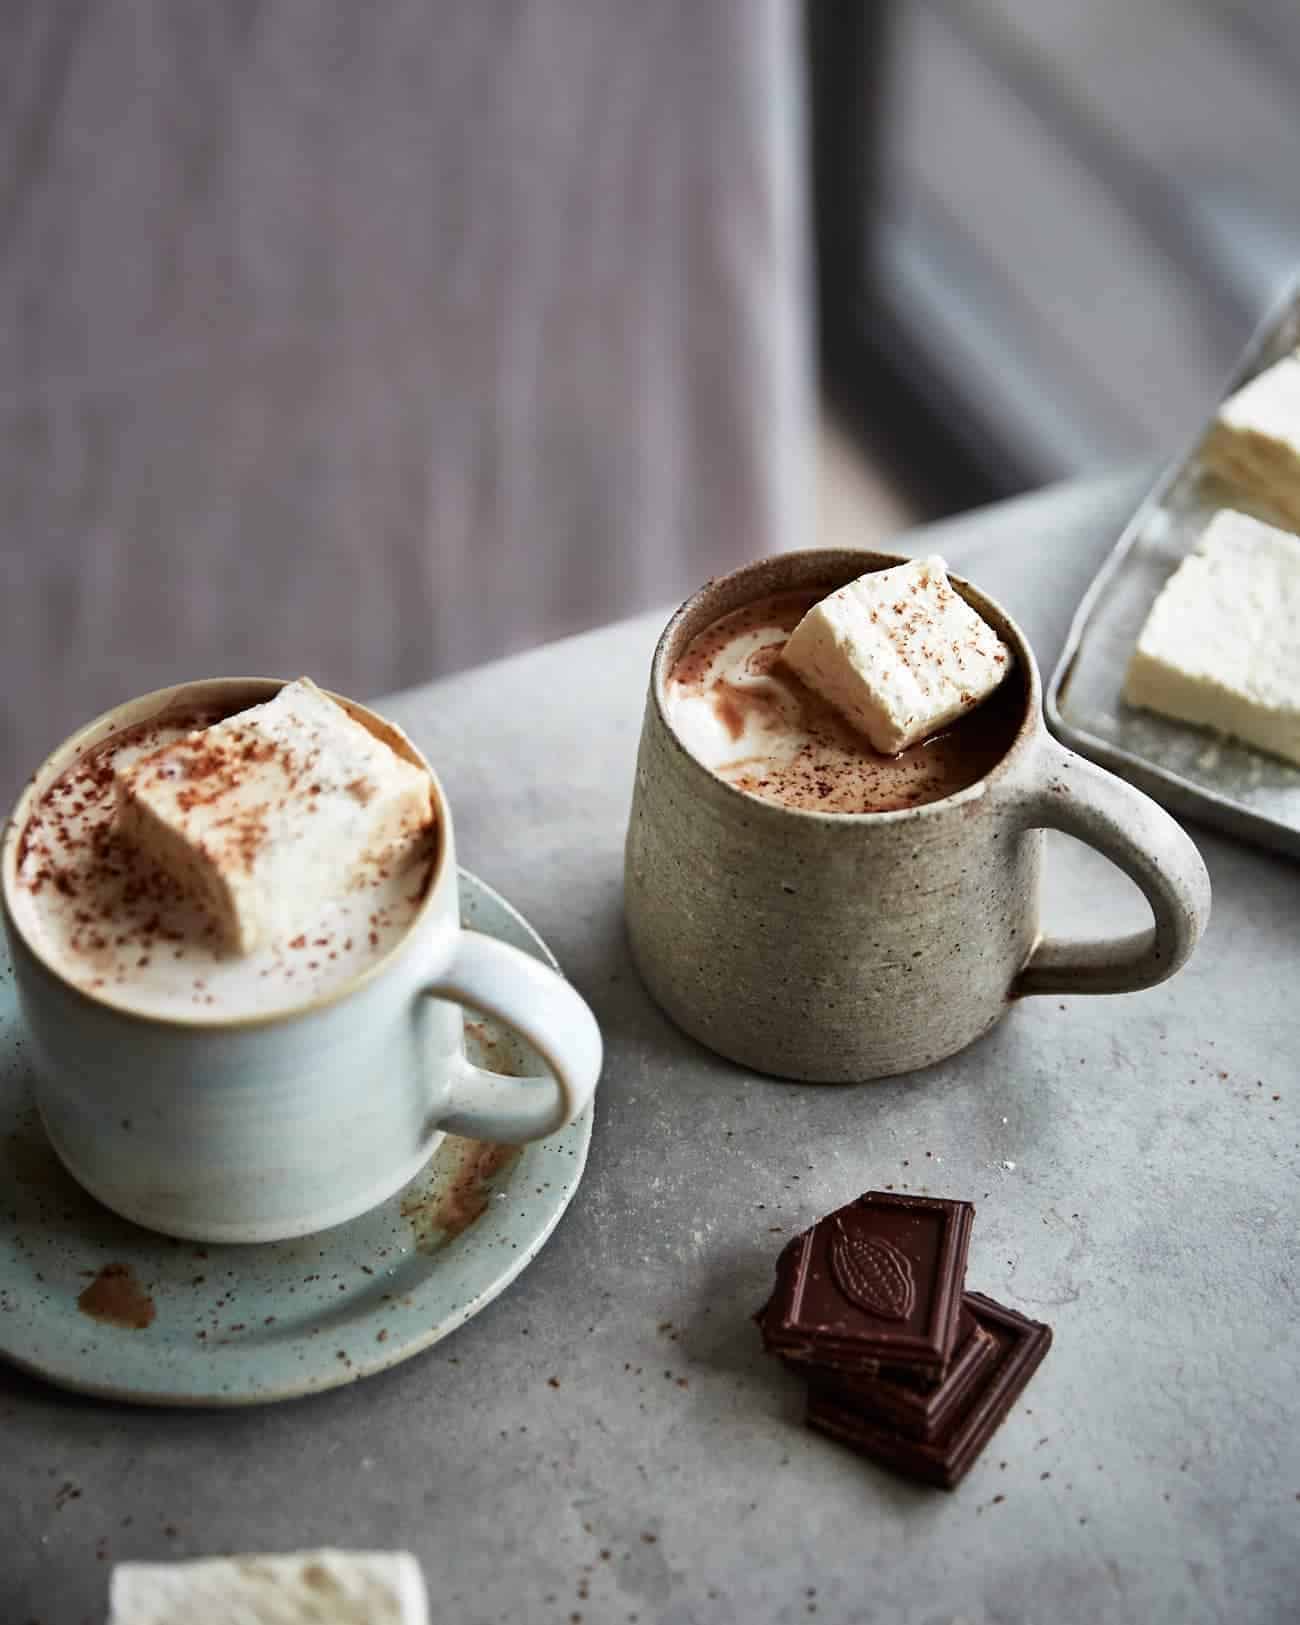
(1133, 1164)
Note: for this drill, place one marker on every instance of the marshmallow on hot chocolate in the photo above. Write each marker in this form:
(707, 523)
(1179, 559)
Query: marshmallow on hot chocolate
(899, 653)
(271, 810)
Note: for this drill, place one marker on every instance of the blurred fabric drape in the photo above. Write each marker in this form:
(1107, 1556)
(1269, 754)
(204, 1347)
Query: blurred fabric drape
(376, 341)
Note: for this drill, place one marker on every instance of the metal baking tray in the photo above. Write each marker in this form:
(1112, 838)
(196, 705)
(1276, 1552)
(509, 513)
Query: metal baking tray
(1189, 770)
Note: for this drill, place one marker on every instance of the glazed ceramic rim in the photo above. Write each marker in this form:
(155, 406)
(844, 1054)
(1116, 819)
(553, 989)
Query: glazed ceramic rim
(156, 703)
(692, 617)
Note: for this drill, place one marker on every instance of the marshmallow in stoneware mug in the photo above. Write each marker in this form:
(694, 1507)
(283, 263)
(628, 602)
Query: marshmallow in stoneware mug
(816, 908)
(233, 915)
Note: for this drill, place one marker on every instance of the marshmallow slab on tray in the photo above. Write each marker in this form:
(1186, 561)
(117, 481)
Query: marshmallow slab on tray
(1220, 647)
(324, 1587)
(1254, 441)
(264, 813)
(899, 653)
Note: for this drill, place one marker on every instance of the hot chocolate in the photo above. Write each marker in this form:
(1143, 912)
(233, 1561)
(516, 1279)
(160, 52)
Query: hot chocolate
(750, 720)
(120, 927)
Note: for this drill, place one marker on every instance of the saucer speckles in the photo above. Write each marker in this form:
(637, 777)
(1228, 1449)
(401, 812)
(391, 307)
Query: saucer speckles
(94, 1303)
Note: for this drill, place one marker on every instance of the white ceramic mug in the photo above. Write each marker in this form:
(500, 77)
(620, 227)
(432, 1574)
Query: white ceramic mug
(263, 1127)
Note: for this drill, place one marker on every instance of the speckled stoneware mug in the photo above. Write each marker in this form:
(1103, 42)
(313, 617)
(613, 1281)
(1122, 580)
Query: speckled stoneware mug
(836, 947)
(271, 1125)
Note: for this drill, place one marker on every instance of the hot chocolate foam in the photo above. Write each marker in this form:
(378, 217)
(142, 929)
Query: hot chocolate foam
(117, 926)
(743, 715)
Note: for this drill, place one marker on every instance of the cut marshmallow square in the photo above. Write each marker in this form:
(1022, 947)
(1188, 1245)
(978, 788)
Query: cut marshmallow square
(1254, 440)
(1221, 644)
(265, 813)
(323, 1587)
(899, 653)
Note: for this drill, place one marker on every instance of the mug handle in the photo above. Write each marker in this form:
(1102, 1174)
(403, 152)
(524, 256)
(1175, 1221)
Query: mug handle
(497, 980)
(1070, 794)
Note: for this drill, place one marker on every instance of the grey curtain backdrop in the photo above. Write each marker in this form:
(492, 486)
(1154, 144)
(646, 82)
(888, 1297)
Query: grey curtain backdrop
(376, 341)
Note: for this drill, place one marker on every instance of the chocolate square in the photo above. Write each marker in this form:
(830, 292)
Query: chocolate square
(874, 1286)
(945, 1459)
(916, 1413)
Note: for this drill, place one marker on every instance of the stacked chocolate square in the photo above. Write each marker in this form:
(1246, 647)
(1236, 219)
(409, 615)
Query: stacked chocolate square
(902, 1363)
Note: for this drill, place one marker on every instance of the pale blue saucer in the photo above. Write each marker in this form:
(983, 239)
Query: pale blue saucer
(246, 1325)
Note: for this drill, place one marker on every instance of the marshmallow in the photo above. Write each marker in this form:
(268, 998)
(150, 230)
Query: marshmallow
(299, 1588)
(899, 653)
(265, 813)
(1254, 440)
(1219, 646)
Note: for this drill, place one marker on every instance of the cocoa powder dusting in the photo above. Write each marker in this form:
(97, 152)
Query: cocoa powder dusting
(467, 1198)
(731, 712)
(807, 756)
(447, 1208)
(214, 770)
(118, 1299)
(117, 924)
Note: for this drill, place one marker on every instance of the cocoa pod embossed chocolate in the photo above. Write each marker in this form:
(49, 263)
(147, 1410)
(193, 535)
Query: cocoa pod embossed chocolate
(872, 1274)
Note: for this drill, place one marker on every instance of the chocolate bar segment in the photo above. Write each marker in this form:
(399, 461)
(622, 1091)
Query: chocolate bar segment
(946, 1458)
(917, 1413)
(874, 1286)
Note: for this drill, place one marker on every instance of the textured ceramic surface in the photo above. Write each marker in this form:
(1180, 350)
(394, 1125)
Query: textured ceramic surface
(275, 1125)
(837, 948)
(239, 1325)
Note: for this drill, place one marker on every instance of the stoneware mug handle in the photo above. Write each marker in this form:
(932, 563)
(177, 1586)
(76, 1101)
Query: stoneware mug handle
(508, 985)
(1070, 794)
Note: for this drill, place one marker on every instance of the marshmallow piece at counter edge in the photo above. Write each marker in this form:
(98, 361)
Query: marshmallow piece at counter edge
(1218, 648)
(324, 1587)
(271, 809)
(899, 653)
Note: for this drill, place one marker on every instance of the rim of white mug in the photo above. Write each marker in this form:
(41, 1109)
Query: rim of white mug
(178, 696)
(1030, 723)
